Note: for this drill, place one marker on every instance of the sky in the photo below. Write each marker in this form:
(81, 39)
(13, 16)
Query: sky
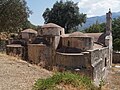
(89, 7)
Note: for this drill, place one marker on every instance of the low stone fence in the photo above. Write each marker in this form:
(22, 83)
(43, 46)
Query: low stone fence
(14, 50)
(116, 57)
(3, 44)
(75, 62)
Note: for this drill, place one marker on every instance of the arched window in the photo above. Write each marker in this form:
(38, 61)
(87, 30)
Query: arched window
(68, 44)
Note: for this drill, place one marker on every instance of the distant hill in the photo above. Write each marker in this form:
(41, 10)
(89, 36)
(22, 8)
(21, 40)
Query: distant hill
(92, 20)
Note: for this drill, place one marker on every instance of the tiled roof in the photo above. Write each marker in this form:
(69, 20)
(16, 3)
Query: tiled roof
(29, 31)
(95, 35)
(51, 25)
(97, 46)
(65, 35)
(98, 37)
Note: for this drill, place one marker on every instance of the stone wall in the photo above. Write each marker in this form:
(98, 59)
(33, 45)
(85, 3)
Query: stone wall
(15, 50)
(93, 63)
(56, 42)
(70, 60)
(3, 44)
(100, 62)
(38, 54)
(28, 36)
(116, 57)
(76, 62)
(83, 43)
(25, 35)
(51, 31)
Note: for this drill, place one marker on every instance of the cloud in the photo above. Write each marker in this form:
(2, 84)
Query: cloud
(98, 7)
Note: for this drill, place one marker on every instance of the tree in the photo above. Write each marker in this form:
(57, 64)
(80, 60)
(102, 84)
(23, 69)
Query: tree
(27, 24)
(13, 13)
(96, 28)
(116, 33)
(65, 14)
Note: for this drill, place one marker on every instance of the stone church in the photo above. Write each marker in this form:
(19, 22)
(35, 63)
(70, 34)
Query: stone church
(86, 53)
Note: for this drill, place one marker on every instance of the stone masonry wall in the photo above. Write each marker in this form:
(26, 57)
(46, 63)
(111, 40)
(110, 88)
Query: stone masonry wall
(73, 62)
(38, 54)
(51, 31)
(116, 57)
(14, 51)
(100, 62)
(83, 43)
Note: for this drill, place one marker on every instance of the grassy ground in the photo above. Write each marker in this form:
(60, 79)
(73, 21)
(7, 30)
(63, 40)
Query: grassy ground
(65, 81)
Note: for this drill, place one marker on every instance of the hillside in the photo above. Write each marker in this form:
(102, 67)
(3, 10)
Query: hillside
(16, 74)
(90, 21)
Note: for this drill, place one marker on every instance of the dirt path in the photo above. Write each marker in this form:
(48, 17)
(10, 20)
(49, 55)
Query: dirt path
(113, 78)
(16, 74)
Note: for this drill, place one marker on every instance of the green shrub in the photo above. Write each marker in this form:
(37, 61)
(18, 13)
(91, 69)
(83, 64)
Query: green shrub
(66, 78)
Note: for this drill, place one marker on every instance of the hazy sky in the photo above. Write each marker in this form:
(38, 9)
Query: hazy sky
(89, 7)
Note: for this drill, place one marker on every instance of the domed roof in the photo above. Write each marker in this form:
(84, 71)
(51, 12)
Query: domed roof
(77, 34)
(29, 31)
(51, 25)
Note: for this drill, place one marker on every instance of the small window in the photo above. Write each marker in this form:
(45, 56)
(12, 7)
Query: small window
(60, 33)
(87, 42)
(105, 62)
(41, 31)
(68, 44)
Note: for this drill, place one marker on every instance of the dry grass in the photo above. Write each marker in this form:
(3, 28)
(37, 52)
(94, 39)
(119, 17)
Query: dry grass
(62, 86)
(113, 79)
(16, 74)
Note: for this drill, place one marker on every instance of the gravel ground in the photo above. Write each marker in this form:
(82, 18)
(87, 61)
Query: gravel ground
(113, 78)
(16, 74)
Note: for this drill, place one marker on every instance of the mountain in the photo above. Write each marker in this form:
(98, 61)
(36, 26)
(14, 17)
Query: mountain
(100, 19)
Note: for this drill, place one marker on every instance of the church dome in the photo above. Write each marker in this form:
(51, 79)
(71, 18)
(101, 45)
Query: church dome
(77, 34)
(29, 31)
(51, 25)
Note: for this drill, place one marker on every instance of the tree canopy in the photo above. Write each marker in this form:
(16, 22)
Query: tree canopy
(116, 34)
(13, 13)
(96, 28)
(65, 14)
(27, 24)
